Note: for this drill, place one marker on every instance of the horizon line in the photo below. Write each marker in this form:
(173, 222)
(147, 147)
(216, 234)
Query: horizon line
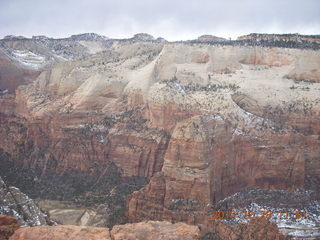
(31, 36)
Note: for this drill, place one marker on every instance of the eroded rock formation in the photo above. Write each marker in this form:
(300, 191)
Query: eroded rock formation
(200, 121)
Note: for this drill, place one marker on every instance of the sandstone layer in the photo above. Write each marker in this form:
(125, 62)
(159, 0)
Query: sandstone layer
(150, 230)
(61, 232)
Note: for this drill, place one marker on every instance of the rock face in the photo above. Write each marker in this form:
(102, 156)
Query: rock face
(13, 202)
(105, 137)
(145, 230)
(13, 75)
(61, 233)
(154, 230)
(201, 121)
(222, 162)
(7, 226)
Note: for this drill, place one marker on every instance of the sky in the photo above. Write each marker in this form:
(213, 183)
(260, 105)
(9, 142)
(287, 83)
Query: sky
(171, 19)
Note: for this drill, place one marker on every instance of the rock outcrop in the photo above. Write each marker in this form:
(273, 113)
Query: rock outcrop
(145, 230)
(61, 232)
(154, 230)
(14, 203)
(8, 225)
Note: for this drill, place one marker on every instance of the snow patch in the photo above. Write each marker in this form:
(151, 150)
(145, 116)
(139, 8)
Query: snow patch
(28, 58)
(101, 139)
(4, 92)
(237, 132)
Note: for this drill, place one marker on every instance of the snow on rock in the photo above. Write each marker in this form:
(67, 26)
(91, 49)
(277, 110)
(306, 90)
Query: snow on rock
(299, 219)
(4, 91)
(29, 59)
(16, 204)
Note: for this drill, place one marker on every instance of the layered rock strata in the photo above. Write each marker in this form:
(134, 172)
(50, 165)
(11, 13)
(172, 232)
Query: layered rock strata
(201, 121)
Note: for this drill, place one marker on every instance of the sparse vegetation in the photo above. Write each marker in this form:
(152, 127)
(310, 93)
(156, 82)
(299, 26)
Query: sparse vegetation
(106, 187)
(281, 41)
(193, 87)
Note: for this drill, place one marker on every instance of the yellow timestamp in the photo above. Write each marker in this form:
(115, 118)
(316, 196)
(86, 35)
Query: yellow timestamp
(263, 214)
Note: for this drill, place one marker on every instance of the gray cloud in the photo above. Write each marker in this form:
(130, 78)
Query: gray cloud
(172, 19)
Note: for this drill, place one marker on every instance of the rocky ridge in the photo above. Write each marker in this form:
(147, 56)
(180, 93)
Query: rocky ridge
(16, 204)
(281, 37)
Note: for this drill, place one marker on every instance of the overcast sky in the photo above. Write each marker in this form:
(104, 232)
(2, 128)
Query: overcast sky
(171, 19)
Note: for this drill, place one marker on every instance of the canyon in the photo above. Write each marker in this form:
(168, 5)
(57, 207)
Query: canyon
(132, 130)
